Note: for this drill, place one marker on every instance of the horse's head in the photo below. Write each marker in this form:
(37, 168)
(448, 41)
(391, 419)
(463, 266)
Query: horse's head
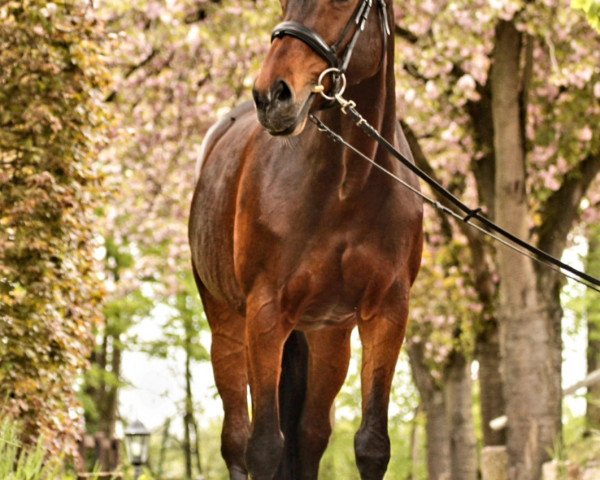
(316, 35)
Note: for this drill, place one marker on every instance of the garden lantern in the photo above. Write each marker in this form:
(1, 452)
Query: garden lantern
(137, 437)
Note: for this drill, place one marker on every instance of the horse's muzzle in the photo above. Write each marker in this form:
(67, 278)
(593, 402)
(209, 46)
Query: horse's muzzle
(277, 110)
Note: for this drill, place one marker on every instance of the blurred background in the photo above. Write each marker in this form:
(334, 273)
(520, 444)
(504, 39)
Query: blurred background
(103, 107)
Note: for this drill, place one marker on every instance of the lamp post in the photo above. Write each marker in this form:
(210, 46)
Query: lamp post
(137, 437)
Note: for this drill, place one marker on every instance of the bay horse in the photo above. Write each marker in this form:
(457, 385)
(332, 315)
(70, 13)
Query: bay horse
(295, 241)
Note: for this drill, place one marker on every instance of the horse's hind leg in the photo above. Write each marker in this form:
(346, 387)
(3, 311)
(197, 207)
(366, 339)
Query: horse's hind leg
(228, 356)
(381, 340)
(329, 354)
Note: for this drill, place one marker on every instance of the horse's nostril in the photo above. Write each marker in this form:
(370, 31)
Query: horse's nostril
(260, 99)
(271, 102)
(282, 93)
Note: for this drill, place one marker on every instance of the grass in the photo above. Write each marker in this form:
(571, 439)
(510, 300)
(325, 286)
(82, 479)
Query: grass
(19, 462)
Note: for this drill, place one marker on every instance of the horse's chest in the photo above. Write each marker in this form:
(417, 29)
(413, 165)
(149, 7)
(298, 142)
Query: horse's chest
(337, 287)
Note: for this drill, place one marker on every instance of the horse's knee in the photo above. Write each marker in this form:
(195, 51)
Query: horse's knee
(372, 450)
(263, 454)
(315, 438)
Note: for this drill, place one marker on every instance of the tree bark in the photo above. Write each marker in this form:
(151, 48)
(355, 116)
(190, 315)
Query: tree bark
(487, 351)
(592, 314)
(434, 405)
(415, 450)
(528, 324)
(458, 397)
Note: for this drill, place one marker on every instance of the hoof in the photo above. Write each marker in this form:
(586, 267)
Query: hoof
(372, 451)
(263, 455)
(237, 473)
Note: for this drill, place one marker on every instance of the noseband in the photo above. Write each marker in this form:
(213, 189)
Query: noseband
(331, 53)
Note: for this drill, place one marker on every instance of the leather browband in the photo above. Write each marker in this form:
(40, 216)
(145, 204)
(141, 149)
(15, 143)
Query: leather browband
(308, 36)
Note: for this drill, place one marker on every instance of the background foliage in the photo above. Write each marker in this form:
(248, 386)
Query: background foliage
(103, 107)
(592, 10)
(51, 125)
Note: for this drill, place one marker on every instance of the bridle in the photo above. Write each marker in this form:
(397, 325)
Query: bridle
(338, 60)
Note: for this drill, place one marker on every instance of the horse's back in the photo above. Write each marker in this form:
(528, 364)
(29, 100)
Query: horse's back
(213, 206)
(216, 131)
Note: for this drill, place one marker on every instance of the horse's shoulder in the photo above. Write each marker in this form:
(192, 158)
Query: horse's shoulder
(217, 130)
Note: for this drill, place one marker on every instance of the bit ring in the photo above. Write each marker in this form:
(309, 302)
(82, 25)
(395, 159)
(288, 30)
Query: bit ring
(320, 88)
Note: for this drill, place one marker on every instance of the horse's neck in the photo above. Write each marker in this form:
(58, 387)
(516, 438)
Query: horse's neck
(375, 101)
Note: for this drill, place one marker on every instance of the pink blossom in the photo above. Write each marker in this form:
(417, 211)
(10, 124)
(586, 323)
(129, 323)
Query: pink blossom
(585, 134)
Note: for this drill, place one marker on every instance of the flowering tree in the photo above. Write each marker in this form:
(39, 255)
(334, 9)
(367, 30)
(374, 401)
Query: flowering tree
(501, 97)
(178, 66)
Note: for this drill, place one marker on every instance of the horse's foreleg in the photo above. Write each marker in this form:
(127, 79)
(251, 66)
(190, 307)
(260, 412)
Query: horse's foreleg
(328, 364)
(228, 356)
(266, 332)
(381, 340)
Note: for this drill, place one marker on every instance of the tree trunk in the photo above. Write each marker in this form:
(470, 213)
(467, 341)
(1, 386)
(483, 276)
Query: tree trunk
(100, 396)
(437, 429)
(592, 414)
(163, 449)
(197, 452)
(415, 444)
(459, 409)
(105, 394)
(438, 437)
(528, 327)
(188, 417)
(110, 397)
(487, 351)
(592, 313)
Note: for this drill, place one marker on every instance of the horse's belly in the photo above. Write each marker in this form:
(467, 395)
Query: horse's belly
(316, 321)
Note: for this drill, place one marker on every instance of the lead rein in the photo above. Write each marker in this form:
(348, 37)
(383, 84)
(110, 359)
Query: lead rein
(348, 107)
